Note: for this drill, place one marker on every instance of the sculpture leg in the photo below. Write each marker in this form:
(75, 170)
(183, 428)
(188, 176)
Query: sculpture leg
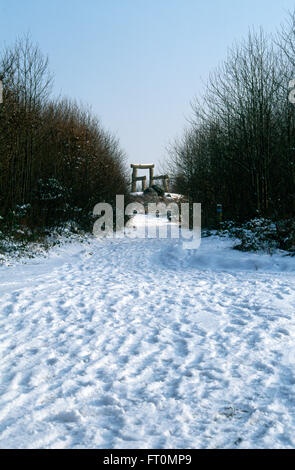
(166, 187)
(134, 176)
(151, 177)
(144, 184)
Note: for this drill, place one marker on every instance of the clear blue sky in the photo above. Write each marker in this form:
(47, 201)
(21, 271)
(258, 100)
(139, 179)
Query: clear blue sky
(138, 63)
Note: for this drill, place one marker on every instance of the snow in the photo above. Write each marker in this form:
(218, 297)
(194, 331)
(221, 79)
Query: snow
(168, 195)
(174, 195)
(135, 343)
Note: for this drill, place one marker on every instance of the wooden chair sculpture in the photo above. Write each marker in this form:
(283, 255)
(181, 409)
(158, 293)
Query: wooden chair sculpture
(150, 167)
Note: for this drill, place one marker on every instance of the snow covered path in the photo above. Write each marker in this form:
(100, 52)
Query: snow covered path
(135, 343)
